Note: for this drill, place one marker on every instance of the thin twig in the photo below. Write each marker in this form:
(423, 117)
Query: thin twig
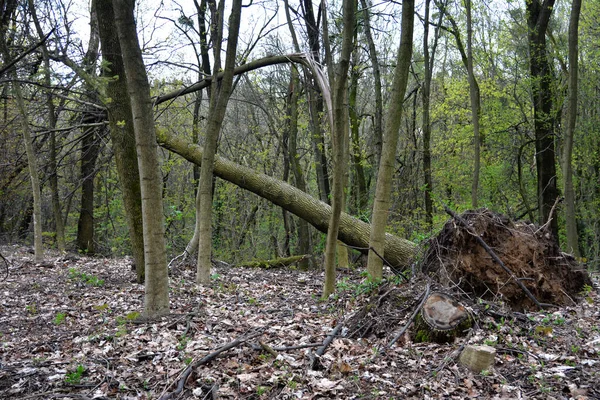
(314, 363)
(182, 378)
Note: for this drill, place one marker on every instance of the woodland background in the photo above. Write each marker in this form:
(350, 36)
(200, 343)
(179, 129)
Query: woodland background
(59, 70)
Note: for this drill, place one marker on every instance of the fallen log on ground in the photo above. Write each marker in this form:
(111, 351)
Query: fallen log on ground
(353, 232)
(273, 263)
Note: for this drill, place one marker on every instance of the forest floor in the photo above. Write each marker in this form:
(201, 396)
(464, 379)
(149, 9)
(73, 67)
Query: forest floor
(70, 329)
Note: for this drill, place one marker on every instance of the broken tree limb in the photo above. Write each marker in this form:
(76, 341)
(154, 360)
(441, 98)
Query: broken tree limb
(353, 232)
(494, 257)
(315, 362)
(182, 378)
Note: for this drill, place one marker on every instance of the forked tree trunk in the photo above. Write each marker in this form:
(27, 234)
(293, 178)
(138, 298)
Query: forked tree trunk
(122, 134)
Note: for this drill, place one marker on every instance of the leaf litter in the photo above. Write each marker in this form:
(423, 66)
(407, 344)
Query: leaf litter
(71, 329)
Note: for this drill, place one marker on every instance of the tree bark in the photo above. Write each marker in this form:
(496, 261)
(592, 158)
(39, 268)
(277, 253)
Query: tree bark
(6, 13)
(218, 105)
(339, 143)
(570, 217)
(303, 246)
(381, 203)
(89, 147)
(426, 96)
(378, 121)
(538, 16)
(353, 232)
(122, 134)
(156, 300)
(59, 227)
(475, 107)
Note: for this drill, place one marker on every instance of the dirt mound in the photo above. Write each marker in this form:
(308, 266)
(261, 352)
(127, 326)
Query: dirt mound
(456, 259)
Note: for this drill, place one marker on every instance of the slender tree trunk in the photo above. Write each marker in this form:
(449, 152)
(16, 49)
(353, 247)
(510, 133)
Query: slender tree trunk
(52, 163)
(570, 217)
(89, 147)
(7, 12)
(425, 92)
(538, 17)
(156, 300)
(122, 134)
(315, 106)
(381, 203)
(339, 143)
(359, 183)
(475, 107)
(218, 104)
(378, 121)
(303, 233)
(353, 232)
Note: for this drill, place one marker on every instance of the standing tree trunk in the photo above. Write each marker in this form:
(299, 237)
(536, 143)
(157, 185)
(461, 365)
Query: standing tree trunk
(6, 14)
(89, 147)
(378, 121)
(570, 217)
(383, 190)
(156, 300)
(53, 178)
(538, 16)
(425, 91)
(339, 142)
(220, 92)
(475, 107)
(303, 246)
(315, 105)
(359, 183)
(121, 131)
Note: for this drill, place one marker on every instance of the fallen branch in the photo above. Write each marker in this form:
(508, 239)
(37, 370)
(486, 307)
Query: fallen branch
(412, 317)
(182, 378)
(314, 359)
(495, 257)
(6, 264)
(274, 263)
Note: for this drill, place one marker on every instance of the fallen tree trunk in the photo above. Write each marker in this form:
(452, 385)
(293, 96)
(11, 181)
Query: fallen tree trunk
(353, 232)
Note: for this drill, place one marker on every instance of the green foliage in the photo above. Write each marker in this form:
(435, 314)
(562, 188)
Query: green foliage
(74, 377)
(90, 280)
(59, 318)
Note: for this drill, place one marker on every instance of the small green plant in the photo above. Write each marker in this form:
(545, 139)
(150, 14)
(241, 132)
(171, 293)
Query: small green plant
(91, 280)
(485, 372)
(586, 290)
(74, 377)
(260, 390)
(132, 316)
(292, 384)
(31, 309)
(490, 342)
(570, 363)
(59, 318)
(183, 341)
(215, 277)
(575, 349)
(343, 284)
